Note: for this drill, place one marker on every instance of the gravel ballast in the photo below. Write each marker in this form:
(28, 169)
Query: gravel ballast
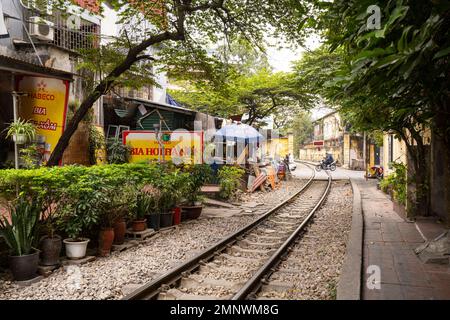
(312, 270)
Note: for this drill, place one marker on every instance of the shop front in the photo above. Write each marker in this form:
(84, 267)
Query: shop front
(34, 93)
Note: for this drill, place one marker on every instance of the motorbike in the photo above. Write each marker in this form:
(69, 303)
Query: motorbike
(375, 172)
(322, 166)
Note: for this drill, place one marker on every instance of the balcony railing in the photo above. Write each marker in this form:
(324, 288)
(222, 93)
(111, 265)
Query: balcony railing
(85, 36)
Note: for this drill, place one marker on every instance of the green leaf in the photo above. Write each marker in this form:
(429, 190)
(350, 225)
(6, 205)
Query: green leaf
(442, 53)
(387, 61)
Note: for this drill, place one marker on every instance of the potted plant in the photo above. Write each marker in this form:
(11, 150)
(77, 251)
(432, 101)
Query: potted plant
(169, 195)
(21, 131)
(198, 176)
(115, 205)
(153, 216)
(143, 203)
(80, 210)
(124, 211)
(51, 243)
(20, 231)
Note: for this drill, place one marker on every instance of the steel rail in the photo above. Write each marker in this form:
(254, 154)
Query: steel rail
(153, 288)
(252, 285)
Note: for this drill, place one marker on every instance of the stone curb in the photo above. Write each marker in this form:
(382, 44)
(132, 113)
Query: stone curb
(349, 286)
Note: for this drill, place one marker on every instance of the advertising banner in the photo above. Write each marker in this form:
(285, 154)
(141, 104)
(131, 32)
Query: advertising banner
(176, 146)
(46, 107)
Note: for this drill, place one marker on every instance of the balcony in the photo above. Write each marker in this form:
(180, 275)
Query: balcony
(68, 35)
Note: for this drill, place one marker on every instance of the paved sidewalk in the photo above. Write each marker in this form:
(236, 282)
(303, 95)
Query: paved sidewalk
(389, 243)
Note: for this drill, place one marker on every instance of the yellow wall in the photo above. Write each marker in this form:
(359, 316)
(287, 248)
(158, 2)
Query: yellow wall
(399, 152)
(278, 146)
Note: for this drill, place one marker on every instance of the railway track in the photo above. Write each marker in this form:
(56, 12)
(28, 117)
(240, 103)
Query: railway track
(238, 266)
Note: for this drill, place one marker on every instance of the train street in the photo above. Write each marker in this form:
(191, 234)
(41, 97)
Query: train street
(224, 158)
(310, 267)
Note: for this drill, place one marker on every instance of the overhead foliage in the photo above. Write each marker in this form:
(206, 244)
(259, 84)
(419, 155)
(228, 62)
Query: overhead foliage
(257, 95)
(178, 26)
(395, 78)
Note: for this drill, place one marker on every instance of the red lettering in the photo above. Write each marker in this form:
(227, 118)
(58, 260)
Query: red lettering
(40, 110)
(43, 96)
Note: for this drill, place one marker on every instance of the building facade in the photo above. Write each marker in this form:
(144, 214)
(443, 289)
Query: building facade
(332, 135)
(38, 66)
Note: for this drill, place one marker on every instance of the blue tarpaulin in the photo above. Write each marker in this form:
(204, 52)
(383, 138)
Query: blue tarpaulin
(170, 100)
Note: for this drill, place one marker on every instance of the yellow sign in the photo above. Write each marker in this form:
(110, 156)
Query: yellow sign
(46, 107)
(100, 153)
(177, 146)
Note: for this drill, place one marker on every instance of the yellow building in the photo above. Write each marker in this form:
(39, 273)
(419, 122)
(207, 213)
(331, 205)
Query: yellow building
(394, 150)
(331, 136)
(281, 146)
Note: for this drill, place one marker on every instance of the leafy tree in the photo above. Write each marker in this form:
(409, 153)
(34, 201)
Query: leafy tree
(184, 25)
(395, 78)
(302, 128)
(257, 95)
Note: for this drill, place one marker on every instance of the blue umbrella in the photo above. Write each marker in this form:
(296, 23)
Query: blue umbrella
(239, 132)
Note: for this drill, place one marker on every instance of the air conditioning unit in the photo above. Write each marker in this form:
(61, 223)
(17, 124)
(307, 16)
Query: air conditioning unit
(42, 29)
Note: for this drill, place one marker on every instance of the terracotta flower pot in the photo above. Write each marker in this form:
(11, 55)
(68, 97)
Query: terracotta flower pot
(139, 225)
(105, 240)
(120, 229)
(51, 250)
(24, 267)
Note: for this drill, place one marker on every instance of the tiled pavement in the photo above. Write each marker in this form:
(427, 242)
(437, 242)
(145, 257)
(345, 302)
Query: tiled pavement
(389, 243)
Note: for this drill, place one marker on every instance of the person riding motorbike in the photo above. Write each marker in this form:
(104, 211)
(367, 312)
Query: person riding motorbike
(328, 159)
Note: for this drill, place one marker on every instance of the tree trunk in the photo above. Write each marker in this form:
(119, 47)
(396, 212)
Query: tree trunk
(440, 165)
(418, 185)
(102, 88)
(418, 194)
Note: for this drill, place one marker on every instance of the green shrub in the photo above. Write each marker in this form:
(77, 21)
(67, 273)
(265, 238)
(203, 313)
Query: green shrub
(117, 203)
(396, 182)
(229, 180)
(30, 156)
(85, 197)
(117, 152)
(172, 187)
(198, 175)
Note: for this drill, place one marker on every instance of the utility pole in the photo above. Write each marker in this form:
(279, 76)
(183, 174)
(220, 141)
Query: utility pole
(16, 95)
(365, 152)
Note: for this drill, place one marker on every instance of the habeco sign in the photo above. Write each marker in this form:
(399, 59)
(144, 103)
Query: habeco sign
(178, 146)
(46, 107)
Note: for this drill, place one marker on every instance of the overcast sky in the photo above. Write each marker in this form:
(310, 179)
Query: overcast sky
(281, 59)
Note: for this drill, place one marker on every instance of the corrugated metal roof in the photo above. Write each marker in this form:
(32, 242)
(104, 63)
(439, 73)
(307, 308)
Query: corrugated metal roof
(162, 106)
(16, 65)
